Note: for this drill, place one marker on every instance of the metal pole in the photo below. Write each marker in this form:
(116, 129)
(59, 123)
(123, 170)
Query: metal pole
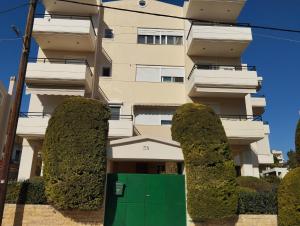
(13, 121)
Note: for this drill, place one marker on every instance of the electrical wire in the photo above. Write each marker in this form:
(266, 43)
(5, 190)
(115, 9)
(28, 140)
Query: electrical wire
(183, 18)
(10, 39)
(13, 8)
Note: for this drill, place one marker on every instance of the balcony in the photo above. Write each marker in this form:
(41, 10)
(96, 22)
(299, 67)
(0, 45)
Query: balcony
(68, 33)
(222, 80)
(34, 125)
(54, 6)
(214, 10)
(258, 104)
(49, 75)
(215, 40)
(243, 129)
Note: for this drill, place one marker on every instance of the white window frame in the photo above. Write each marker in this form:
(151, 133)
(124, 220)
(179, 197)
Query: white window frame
(160, 73)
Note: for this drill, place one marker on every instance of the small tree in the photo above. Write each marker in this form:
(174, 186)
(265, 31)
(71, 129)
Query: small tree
(289, 199)
(74, 154)
(211, 184)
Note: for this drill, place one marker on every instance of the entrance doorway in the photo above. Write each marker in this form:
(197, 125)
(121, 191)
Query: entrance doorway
(145, 200)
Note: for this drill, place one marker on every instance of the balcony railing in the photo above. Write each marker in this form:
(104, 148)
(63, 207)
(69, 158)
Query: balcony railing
(241, 117)
(62, 61)
(48, 115)
(72, 17)
(219, 24)
(221, 67)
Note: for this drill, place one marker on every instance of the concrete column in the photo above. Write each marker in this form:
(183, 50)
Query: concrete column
(248, 104)
(249, 163)
(28, 160)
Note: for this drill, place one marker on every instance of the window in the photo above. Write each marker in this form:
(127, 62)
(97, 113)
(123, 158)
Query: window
(142, 39)
(159, 74)
(166, 122)
(160, 116)
(108, 33)
(106, 72)
(160, 36)
(142, 3)
(115, 112)
(166, 79)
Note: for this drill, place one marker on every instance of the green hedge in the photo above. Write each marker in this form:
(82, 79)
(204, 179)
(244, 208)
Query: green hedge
(74, 154)
(30, 191)
(211, 184)
(257, 203)
(289, 199)
(254, 183)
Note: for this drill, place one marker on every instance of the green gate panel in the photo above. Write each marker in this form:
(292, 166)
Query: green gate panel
(147, 200)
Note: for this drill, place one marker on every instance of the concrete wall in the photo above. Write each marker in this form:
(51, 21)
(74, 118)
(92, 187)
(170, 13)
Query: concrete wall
(37, 215)
(243, 220)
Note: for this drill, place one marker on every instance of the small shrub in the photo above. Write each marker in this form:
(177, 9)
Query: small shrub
(289, 199)
(74, 153)
(254, 183)
(257, 203)
(30, 191)
(210, 172)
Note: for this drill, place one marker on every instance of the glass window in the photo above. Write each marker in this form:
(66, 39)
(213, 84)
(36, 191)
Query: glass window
(166, 79)
(150, 39)
(170, 40)
(108, 33)
(178, 79)
(141, 39)
(115, 112)
(163, 40)
(178, 40)
(106, 72)
(166, 122)
(157, 39)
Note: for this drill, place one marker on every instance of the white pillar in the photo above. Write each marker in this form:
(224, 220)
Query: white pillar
(248, 104)
(249, 163)
(28, 159)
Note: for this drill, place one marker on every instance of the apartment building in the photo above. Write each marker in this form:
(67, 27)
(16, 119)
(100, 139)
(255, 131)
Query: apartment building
(6, 96)
(147, 66)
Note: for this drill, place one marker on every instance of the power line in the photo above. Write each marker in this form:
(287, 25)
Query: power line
(184, 18)
(14, 8)
(10, 39)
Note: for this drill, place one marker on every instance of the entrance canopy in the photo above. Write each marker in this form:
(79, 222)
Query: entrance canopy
(143, 148)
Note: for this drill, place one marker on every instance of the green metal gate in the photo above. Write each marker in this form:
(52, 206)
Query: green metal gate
(145, 200)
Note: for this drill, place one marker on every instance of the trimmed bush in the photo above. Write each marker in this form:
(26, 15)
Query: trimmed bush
(254, 183)
(30, 191)
(257, 203)
(289, 199)
(74, 154)
(211, 184)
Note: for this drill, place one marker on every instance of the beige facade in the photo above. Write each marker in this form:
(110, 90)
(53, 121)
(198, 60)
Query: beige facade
(5, 103)
(149, 65)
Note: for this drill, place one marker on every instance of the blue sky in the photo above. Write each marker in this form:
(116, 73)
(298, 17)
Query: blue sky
(275, 54)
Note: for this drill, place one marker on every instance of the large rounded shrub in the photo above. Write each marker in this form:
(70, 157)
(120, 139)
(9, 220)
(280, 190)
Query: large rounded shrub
(211, 184)
(289, 199)
(74, 154)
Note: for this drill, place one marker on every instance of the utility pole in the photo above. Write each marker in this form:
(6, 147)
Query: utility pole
(14, 116)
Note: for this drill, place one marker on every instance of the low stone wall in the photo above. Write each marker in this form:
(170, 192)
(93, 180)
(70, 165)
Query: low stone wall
(243, 220)
(45, 215)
